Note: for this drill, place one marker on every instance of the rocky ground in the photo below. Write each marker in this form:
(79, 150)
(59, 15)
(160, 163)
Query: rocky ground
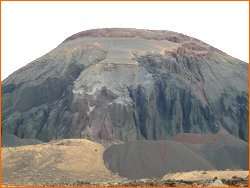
(79, 162)
(233, 181)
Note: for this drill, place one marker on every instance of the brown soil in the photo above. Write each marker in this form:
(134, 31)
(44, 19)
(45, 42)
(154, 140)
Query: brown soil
(55, 163)
(221, 138)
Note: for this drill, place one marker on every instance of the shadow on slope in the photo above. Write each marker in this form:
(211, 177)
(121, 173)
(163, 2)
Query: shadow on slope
(10, 140)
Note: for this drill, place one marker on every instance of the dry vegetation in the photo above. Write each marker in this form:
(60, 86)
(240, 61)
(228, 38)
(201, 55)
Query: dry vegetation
(55, 163)
(79, 162)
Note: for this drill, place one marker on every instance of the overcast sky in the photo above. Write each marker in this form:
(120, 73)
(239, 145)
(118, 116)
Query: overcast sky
(31, 29)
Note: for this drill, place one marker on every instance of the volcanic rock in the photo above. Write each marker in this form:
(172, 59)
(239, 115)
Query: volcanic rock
(125, 85)
(154, 159)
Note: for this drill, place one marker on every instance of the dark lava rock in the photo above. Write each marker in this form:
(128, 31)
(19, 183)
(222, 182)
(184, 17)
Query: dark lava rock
(236, 181)
(127, 84)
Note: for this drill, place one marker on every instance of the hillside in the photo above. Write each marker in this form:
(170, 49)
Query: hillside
(126, 107)
(127, 84)
(63, 162)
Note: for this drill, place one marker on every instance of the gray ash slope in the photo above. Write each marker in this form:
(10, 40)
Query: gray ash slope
(185, 152)
(127, 84)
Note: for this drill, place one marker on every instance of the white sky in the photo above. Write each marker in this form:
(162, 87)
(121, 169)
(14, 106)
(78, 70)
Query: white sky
(31, 29)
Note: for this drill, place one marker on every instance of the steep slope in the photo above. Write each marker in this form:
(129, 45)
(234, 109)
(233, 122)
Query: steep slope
(153, 159)
(127, 84)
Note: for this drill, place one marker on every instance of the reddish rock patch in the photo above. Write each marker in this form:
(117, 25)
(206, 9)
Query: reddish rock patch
(132, 33)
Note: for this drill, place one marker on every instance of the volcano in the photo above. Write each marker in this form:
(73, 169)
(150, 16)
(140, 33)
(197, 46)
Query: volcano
(156, 102)
(125, 85)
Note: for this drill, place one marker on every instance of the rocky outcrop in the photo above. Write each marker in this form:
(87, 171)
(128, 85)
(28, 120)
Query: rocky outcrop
(127, 84)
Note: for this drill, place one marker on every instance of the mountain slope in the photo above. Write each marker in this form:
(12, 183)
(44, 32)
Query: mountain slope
(154, 159)
(127, 84)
